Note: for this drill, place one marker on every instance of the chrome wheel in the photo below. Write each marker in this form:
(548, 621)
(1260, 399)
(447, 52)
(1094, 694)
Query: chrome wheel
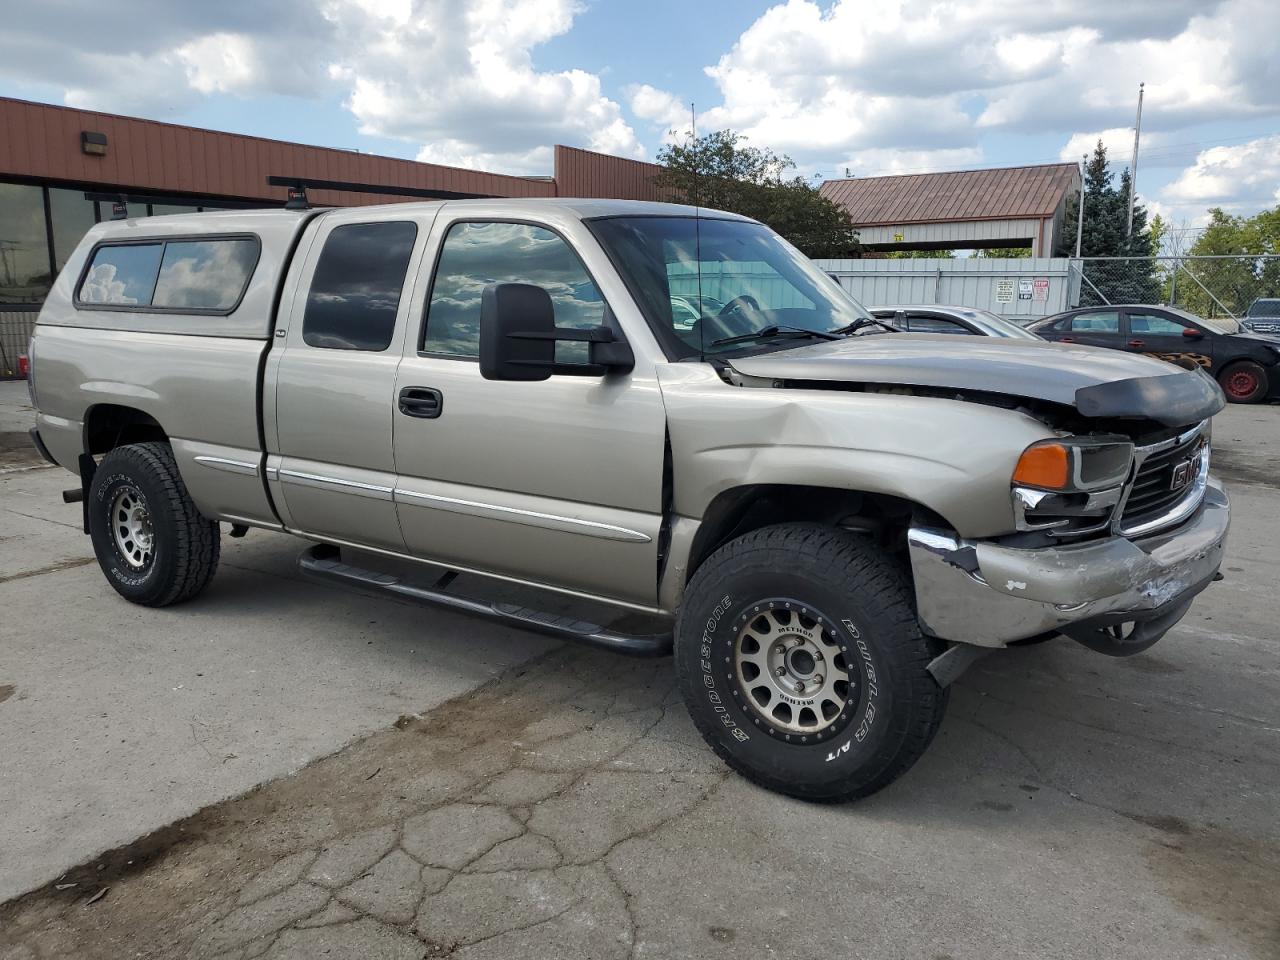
(131, 527)
(791, 670)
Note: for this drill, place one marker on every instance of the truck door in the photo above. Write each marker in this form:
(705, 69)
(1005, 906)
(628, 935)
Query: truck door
(559, 481)
(330, 393)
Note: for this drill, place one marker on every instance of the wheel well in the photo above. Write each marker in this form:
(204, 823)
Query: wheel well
(743, 509)
(110, 425)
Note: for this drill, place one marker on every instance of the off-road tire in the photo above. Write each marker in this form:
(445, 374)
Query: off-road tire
(1236, 378)
(863, 602)
(185, 545)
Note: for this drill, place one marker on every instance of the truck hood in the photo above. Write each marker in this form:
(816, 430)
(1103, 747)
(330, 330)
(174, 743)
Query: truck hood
(1096, 381)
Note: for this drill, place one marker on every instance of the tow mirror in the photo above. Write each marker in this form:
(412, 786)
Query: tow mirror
(518, 336)
(1191, 333)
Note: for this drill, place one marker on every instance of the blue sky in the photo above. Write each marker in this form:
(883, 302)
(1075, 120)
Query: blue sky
(872, 88)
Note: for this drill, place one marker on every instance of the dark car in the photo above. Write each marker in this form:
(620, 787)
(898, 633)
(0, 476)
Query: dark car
(1263, 315)
(1244, 363)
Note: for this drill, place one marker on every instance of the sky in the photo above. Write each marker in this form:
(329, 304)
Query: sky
(844, 87)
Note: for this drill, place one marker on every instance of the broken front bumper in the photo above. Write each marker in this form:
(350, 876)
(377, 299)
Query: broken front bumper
(981, 593)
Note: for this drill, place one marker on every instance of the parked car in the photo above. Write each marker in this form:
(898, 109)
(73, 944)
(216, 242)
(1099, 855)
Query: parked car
(933, 318)
(1263, 315)
(832, 522)
(1242, 361)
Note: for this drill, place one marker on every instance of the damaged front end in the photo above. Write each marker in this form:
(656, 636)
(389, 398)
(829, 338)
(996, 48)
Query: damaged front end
(1117, 596)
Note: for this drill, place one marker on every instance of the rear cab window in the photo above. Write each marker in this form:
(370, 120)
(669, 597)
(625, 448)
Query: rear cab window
(206, 275)
(355, 290)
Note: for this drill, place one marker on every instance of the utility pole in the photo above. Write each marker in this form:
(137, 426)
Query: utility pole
(1133, 167)
(1080, 219)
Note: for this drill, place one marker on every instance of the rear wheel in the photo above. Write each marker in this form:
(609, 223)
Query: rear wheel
(803, 666)
(151, 542)
(1243, 381)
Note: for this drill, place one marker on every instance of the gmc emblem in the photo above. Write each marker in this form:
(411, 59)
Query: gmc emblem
(1185, 472)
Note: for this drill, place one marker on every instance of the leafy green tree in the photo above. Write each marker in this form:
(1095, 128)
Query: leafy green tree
(719, 171)
(920, 255)
(1005, 253)
(1251, 270)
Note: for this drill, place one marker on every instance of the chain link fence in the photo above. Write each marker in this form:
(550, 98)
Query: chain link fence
(1218, 286)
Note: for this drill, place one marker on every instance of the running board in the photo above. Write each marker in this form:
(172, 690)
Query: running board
(323, 561)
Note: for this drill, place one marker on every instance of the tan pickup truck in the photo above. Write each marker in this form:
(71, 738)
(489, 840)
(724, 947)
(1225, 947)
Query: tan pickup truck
(660, 409)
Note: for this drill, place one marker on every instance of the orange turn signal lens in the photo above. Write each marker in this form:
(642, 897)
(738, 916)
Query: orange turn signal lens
(1044, 465)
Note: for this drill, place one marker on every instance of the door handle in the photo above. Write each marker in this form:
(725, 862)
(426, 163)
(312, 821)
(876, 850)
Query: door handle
(426, 403)
(1067, 340)
(1135, 343)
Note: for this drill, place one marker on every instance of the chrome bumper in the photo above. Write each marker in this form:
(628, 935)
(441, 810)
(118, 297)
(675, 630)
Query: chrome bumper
(976, 592)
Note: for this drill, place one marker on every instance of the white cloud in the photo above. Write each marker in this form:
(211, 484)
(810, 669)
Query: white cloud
(661, 108)
(1241, 177)
(456, 76)
(460, 79)
(1117, 140)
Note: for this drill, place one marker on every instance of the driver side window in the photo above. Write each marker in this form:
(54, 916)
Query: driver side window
(475, 255)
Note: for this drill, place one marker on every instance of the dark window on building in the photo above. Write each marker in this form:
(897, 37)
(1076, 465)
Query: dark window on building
(72, 216)
(356, 288)
(205, 274)
(25, 275)
(478, 254)
(122, 275)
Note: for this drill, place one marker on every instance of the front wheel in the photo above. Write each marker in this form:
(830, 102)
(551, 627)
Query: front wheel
(1243, 382)
(802, 664)
(152, 543)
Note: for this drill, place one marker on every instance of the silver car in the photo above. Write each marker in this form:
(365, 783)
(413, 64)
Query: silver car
(936, 318)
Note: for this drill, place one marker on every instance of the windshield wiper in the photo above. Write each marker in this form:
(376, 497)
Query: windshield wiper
(862, 322)
(776, 330)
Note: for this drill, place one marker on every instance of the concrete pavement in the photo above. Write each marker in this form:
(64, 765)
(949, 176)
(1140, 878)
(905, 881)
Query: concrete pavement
(1072, 805)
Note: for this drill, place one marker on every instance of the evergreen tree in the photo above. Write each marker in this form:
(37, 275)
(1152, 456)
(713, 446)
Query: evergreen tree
(1106, 213)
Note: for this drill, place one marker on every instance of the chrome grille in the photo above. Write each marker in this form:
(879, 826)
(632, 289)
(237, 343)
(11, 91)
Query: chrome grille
(1153, 500)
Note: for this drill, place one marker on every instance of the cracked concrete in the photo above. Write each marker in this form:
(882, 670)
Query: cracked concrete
(1071, 806)
(638, 844)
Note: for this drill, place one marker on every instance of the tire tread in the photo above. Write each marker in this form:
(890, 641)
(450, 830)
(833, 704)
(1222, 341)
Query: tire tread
(852, 564)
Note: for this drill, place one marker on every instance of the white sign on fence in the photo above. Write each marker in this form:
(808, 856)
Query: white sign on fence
(1040, 290)
(1024, 288)
(1004, 290)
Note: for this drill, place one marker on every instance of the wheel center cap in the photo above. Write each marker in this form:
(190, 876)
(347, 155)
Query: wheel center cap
(801, 662)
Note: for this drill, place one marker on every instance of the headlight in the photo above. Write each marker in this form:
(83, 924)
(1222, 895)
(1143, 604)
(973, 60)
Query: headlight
(1070, 486)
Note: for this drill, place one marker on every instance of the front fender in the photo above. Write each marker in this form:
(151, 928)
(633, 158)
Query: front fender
(954, 457)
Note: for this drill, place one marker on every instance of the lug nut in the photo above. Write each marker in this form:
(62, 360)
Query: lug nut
(780, 671)
(817, 654)
(817, 680)
(799, 688)
(780, 649)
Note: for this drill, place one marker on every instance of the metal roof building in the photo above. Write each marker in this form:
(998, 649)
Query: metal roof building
(962, 210)
(62, 170)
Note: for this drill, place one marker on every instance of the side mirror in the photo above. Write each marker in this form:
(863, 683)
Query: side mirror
(1191, 333)
(518, 336)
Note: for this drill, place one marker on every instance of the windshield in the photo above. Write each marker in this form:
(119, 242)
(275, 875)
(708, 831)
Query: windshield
(700, 280)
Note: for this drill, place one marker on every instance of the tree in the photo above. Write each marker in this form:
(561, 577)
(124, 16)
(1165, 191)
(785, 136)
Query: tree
(1251, 268)
(720, 171)
(1005, 253)
(1106, 213)
(920, 255)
